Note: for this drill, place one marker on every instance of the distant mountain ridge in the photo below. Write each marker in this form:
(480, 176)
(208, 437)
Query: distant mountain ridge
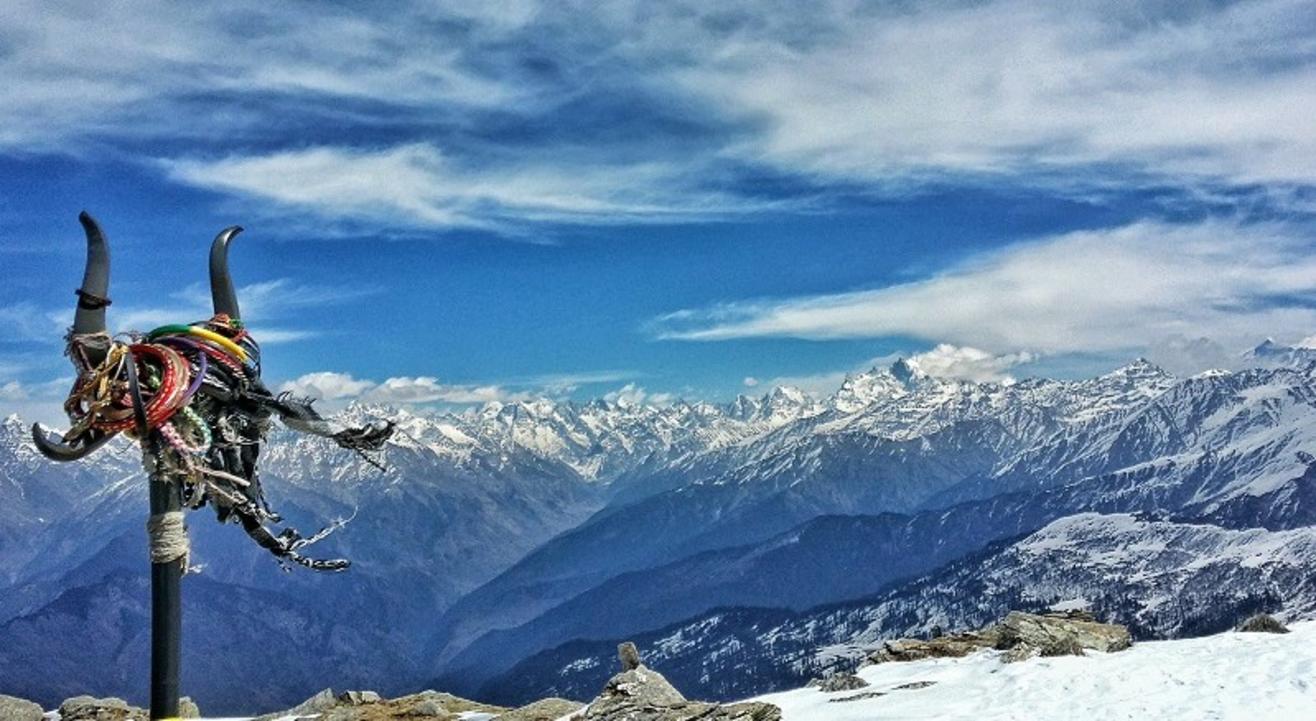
(502, 533)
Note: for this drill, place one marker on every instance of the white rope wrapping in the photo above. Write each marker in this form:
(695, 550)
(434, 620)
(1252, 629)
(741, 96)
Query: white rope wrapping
(168, 538)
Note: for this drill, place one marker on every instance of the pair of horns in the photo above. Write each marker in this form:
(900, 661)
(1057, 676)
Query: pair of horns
(93, 296)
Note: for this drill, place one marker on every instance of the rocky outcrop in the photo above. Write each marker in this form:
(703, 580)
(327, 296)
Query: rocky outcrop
(17, 709)
(1262, 623)
(1020, 635)
(89, 708)
(1061, 634)
(642, 694)
(839, 682)
(548, 709)
(369, 706)
(945, 646)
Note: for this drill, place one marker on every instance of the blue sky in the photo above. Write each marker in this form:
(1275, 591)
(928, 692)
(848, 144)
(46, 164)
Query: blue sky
(450, 205)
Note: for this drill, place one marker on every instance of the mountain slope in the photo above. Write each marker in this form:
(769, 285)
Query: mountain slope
(1229, 676)
(1163, 579)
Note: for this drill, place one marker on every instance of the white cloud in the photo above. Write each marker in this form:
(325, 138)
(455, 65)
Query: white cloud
(416, 184)
(327, 385)
(971, 364)
(634, 395)
(401, 390)
(562, 383)
(262, 303)
(910, 94)
(891, 95)
(40, 401)
(1092, 291)
(74, 71)
(750, 381)
(25, 322)
(427, 389)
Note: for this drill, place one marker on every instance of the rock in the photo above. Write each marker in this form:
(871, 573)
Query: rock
(370, 706)
(88, 708)
(1060, 634)
(435, 703)
(317, 704)
(1021, 635)
(629, 655)
(18, 709)
(356, 698)
(640, 687)
(548, 709)
(1022, 652)
(913, 685)
(1262, 623)
(642, 694)
(187, 708)
(947, 646)
(839, 682)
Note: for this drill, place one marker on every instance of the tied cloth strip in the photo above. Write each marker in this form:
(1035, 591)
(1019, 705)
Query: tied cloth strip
(200, 393)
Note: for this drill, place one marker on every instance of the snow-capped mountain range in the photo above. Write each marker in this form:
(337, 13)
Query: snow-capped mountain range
(500, 536)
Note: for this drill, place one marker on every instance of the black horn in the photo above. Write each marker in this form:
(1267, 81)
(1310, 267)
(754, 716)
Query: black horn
(93, 296)
(221, 283)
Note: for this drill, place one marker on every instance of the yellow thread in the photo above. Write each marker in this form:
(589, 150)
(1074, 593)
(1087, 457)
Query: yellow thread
(219, 340)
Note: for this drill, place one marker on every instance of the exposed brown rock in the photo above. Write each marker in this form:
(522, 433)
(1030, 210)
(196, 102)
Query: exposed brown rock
(629, 655)
(642, 694)
(548, 709)
(13, 708)
(1021, 635)
(839, 682)
(369, 706)
(948, 646)
(1262, 623)
(88, 708)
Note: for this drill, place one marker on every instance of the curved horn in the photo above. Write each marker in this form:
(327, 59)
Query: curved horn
(58, 450)
(221, 283)
(93, 296)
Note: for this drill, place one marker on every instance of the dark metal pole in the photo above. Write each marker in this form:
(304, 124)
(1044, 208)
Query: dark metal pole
(166, 612)
(166, 573)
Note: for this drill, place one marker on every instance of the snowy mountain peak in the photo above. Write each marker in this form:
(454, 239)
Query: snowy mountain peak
(1139, 368)
(1270, 354)
(907, 371)
(864, 389)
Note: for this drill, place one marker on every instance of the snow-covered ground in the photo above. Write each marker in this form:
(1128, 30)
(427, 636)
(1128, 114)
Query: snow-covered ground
(1252, 676)
(1230, 676)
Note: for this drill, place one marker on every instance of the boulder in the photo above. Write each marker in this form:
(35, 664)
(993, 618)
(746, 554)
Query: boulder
(629, 655)
(1262, 623)
(642, 694)
(548, 709)
(436, 703)
(1021, 635)
(357, 698)
(187, 708)
(1060, 634)
(839, 682)
(88, 708)
(317, 704)
(638, 687)
(946, 646)
(18, 709)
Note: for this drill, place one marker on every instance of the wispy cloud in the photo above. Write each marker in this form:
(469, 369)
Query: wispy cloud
(1092, 291)
(563, 383)
(1008, 88)
(416, 184)
(441, 115)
